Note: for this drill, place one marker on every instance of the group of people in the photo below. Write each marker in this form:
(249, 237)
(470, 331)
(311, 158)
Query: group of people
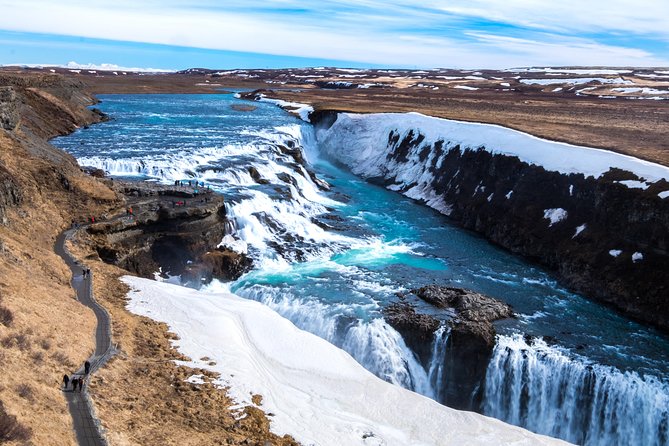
(77, 381)
(188, 183)
(87, 272)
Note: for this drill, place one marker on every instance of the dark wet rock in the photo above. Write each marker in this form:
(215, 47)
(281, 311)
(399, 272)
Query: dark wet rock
(417, 329)
(470, 306)
(256, 176)
(222, 264)
(94, 171)
(168, 233)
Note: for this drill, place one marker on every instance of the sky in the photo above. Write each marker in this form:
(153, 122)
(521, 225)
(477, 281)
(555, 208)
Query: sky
(179, 34)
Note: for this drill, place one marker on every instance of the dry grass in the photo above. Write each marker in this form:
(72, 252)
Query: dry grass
(44, 331)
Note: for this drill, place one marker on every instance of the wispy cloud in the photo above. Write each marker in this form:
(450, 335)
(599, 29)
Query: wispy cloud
(461, 33)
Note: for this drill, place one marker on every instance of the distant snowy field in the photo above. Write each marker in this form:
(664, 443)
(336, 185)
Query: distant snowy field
(318, 393)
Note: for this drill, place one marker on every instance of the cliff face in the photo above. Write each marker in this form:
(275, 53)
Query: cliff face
(606, 237)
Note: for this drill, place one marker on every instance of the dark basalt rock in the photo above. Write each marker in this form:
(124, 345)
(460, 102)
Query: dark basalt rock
(256, 176)
(417, 329)
(470, 343)
(470, 306)
(175, 239)
(222, 264)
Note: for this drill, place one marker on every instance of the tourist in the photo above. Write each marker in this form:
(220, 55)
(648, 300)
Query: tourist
(66, 381)
(87, 367)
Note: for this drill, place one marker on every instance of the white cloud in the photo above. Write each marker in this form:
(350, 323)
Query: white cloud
(239, 28)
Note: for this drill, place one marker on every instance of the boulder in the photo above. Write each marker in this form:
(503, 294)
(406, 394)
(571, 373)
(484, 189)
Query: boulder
(469, 305)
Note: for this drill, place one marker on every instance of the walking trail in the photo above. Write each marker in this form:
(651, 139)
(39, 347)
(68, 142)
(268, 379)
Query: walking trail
(86, 425)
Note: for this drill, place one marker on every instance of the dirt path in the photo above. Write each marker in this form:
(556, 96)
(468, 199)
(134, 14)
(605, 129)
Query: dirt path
(86, 425)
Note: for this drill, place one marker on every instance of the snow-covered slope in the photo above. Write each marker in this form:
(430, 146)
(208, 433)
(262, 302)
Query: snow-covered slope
(317, 392)
(361, 142)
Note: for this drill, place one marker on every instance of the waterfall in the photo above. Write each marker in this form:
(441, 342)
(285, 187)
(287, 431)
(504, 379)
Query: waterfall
(435, 371)
(541, 388)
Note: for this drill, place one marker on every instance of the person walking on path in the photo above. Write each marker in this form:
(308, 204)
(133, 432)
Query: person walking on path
(66, 381)
(87, 367)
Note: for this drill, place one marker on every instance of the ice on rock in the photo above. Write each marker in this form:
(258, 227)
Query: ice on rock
(555, 215)
(579, 229)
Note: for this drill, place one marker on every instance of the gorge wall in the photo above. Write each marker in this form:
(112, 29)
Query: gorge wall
(604, 228)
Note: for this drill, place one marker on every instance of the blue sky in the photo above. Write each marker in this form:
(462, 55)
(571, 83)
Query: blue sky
(177, 34)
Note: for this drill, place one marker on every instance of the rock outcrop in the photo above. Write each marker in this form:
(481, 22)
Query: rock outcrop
(174, 231)
(9, 115)
(470, 343)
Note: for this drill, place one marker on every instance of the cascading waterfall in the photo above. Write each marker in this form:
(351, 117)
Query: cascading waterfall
(541, 388)
(438, 357)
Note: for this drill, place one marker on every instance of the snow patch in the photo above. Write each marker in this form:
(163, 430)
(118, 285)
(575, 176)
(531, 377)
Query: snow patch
(301, 110)
(637, 257)
(577, 81)
(555, 215)
(633, 184)
(238, 246)
(615, 252)
(317, 392)
(579, 229)
(664, 194)
(465, 87)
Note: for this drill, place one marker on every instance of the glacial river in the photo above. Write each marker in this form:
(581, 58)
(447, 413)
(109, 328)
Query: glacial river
(331, 260)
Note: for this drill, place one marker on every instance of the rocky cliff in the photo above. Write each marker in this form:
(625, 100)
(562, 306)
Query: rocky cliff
(606, 235)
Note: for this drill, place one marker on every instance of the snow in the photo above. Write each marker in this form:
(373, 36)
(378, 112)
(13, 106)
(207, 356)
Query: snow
(505, 84)
(593, 71)
(637, 257)
(301, 110)
(360, 142)
(644, 90)
(465, 87)
(318, 393)
(508, 195)
(633, 184)
(555, 90)
(615, 252)
(579, 229)
(577, 81)
(238, 246)
(555, 215)
(571, 190)
(664, 194)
